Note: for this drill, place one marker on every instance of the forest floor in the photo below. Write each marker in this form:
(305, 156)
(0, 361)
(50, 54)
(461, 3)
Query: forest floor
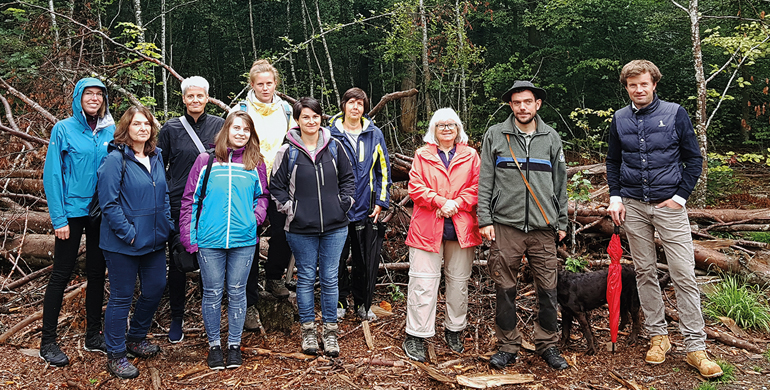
(278, 365)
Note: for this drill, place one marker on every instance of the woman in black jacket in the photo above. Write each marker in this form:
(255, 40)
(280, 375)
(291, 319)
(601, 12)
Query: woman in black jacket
(312, 183)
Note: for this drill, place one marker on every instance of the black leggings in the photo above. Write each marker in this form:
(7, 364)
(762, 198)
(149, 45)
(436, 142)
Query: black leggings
(65, 257)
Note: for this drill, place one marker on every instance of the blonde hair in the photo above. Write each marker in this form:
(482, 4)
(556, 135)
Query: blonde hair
(262, 66)
(252, 156)
(639, 67)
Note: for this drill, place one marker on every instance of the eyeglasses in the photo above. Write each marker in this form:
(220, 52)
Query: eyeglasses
(89, 95)
(450, 126)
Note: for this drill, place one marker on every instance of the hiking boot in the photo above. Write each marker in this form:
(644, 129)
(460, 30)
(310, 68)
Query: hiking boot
(502, 359)
(52, 354)
(414, 347)
(95, 343)
(706, 366)
(142, 349)
(365, 315)
(216, 360)
(277, 288)
(340, 311)
(309, 338)
(331, 348)
(252, 321)
(234, 359)
(553, 357)
(122, 368)
(175, 334)
(659, 345)
(454, 340)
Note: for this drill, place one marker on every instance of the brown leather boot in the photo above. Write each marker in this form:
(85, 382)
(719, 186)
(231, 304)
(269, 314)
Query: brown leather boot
(659, 346)
(706, 366)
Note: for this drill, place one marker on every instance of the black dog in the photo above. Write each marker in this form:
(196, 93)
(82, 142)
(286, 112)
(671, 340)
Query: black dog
(578, 294)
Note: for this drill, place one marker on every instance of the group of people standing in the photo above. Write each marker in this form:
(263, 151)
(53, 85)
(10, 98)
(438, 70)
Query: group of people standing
(203, 185)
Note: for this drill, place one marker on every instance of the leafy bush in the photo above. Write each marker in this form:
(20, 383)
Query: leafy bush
(579, 188)
(575, 264)
(758, 236)
(744, 303)
(721, 182)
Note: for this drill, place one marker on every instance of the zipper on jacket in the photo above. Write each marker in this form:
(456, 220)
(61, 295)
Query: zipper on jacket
(320, 203)
(229, 197)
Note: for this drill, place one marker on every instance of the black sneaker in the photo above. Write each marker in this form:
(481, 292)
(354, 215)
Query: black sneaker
(454, 340)
(95, 343)
(502, 359)
(215, 360)
(142, 349)
(234, 359)
(52, 354)
(553, 357)
(414, 347)
(122, 368)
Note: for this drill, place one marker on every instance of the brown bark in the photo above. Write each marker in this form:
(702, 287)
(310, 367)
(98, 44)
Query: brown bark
(22, 281)
(21, 173)
(47, 115)
(25, 186)
(722, 337)
(593, 169)
(390, 97)
(35, 245)
(38, 222)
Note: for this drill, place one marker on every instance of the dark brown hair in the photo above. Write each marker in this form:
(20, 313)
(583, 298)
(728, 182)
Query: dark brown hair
(252, 156)
(306, 102)
(638, 67)
(354, 93)
(121, 131)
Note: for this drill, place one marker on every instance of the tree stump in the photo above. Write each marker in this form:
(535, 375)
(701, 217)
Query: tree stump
(277, 314)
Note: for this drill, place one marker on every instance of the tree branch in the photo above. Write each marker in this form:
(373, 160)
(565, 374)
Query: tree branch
(679, 6)
(156, 61)
(390, 97)
(29, 101)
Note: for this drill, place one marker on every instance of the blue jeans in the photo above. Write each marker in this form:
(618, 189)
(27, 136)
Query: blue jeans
(123, 269)
(320, 251)
(217, 265)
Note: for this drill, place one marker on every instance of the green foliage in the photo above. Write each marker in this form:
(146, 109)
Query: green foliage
(728, 371)
(403, 44)
(595, 125)
(721, 182)
(579, 187)
(576, 264)
(758, 236)
(395, 293)
(706, 386)
(746, 304)
(767, 355)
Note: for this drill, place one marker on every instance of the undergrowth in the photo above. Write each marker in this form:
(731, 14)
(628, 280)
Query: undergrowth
(734, 298)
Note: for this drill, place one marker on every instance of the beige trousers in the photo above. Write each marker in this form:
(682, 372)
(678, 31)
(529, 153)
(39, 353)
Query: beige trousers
(424, 280)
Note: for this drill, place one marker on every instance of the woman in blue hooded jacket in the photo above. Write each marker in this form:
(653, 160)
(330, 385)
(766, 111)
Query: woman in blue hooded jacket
(136, 222)
(220, 223)
(77, 147)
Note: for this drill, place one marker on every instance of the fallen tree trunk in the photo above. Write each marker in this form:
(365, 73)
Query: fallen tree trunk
(36, 221)
(722, 337)
(24, 186)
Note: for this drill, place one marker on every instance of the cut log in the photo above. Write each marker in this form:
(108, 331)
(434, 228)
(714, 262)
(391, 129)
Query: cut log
(722, 337)
(35, 245)
(36, 221)
(593, 169)
(24, 186)
(23, 173)
(487, 381)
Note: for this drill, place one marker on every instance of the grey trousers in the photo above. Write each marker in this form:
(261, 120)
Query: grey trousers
(673, 227)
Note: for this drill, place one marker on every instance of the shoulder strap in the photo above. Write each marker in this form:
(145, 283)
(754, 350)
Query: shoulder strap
(244, 106)
(526, 182)
(191, 133)
(203, 188)
(286, 111)
(293, 153)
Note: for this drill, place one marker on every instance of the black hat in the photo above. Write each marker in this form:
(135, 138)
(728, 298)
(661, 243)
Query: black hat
(519, 85)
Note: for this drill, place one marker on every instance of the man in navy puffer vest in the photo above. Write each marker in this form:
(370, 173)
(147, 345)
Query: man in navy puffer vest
(653, 164)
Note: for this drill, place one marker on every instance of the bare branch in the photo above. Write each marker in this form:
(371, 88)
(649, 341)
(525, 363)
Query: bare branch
(679, 6)
(29, 101)
(156, 61)
(169, 11)
(728, 62)
(389, 97)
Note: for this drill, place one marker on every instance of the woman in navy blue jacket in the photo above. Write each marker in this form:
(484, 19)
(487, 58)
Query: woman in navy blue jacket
(136, 221)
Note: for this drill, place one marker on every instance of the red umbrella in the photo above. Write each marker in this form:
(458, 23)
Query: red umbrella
(614, 284)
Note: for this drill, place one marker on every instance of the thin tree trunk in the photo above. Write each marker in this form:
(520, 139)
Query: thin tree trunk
(288, 31)
(312, 49)
(699, 193)
(54, 26)
(251, 28)
(99, 24)
(461, 45)
(425, 68)
(138, 16)
(70, 12)
(164, 74)
(409, 104)
(328, 55)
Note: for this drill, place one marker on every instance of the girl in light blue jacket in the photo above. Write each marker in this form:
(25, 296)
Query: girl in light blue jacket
(220, 223)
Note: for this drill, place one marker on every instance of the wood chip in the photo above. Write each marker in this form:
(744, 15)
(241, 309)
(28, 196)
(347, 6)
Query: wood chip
(368, 335)
(487, 381)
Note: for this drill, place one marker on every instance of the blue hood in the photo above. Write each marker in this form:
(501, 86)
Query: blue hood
(77, 106)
